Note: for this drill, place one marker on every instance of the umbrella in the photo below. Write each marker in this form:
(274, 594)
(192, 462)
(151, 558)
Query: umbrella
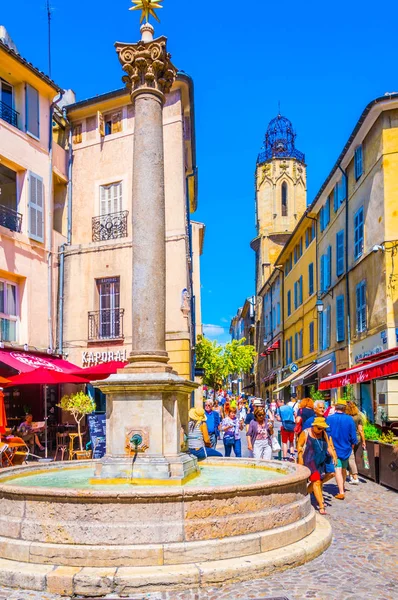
(102, 370)
(3, 418)
(44, 377)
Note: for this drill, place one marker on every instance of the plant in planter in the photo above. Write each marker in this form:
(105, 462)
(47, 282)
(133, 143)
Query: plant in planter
(79, 405)
(372, 432)
(316, 394)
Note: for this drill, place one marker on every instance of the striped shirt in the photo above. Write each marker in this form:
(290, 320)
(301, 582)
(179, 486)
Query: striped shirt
(195, 435)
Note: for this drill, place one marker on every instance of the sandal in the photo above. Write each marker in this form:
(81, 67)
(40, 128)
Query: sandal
(339, 496)
(322, 510)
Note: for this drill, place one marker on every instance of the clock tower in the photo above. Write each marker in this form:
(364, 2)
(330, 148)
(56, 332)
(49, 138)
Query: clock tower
(280, 192)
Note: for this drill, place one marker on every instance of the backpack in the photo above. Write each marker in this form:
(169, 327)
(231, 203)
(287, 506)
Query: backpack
(288, 424)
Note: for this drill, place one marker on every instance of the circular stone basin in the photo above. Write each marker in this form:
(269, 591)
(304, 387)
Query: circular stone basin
(52, 517)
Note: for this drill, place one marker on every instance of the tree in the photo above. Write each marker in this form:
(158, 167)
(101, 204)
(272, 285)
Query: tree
(220, 361)
(79, 405)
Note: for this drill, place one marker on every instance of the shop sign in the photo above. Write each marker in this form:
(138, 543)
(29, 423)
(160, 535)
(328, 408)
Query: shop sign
(375, 350)
(94, 358)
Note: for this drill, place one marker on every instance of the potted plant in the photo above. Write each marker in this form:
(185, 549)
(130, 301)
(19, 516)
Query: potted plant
(388, 460)
(372, 436)
(79, 405)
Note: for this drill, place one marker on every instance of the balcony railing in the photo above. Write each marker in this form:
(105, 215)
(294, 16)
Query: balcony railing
(10, 218)
(8, 114)
(110, 227)
(106, 324)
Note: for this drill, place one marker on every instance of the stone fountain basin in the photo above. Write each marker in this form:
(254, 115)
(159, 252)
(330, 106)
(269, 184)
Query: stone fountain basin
(162, 525)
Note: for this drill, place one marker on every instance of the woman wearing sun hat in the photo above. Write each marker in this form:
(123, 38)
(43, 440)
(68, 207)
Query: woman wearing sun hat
(198, 437)
(314, 449)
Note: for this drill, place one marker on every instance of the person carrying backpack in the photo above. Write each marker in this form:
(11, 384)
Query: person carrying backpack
(285, 414)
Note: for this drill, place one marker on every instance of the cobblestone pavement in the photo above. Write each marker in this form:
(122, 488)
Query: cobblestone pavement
(361, 564)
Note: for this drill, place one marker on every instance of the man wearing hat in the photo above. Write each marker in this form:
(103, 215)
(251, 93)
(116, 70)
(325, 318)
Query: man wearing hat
(314, 450)
(343, 433)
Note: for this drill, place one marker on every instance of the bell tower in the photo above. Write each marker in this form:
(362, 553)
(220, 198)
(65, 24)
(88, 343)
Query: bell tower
(281, 194)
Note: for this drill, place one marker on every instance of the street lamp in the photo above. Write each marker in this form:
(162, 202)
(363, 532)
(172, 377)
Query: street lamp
(319, 305)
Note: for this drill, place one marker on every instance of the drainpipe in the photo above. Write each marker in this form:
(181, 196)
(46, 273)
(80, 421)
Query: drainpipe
(49, 229)
(61, 275)
(347, 284)
(190, 268)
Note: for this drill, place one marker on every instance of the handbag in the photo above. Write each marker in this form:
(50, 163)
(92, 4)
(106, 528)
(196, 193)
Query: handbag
(229, 440)
(275, 445)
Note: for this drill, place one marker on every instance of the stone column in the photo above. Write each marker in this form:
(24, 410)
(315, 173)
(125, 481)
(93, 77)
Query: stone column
(150, 75)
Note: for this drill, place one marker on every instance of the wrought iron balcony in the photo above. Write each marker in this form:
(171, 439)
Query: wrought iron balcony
(110, 227)
(8, 114)
(10, 218)
(105, 324)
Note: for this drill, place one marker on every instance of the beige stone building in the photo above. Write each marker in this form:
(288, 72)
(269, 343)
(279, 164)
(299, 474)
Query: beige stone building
(97, 281)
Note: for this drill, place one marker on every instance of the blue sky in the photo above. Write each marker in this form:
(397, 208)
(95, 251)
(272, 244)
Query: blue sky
(323, 61)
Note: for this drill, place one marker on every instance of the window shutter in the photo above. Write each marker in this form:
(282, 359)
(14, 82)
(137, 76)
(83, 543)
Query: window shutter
(117, 122)
(340, 253)
(295, 294)
(321, 225)
(296, 345)
(358, 162)
(358, 306)
(363, 306)
(311, 336)
(322, 273)
(310, 279)
(326, 218)
(32, 110)
(35, 208)
(340, 319)
(100, 123)
(320, 331)
(328, 281)
(289, 303)
(301, 290)
(336, 197)
(307, 242)
(328, 313)
(287, 352)
(278, 313)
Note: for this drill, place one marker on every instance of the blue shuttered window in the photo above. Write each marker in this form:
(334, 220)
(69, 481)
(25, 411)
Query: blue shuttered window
(327, 327)
(310, 279)
(278, 313)
(326, 213)
(340, 325)
(324, 329)
(360, 300)
(295, 295)
(287, 352)
(296, 348)
(328, 281)
(300, 337)
(289, 303)
(321, 225)
(358, 233)
(340, 253)
(300, 289)
(322, 273)
(311, 336)
(358, 162)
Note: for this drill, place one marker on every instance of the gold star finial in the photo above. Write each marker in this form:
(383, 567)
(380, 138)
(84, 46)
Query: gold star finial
(148, 8)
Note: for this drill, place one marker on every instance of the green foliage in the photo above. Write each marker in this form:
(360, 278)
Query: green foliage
(348, 395)
(316, 394)
(372, 432)
(388, 438)
(79, 405)
(220, 361)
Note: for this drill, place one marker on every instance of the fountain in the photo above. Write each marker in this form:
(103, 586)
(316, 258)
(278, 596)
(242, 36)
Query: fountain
(146, 516)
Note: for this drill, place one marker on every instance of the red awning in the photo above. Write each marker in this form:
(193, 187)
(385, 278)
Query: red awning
(44, 377)
(361, 373)
(271, 348)
(102, 370)
(25, 362)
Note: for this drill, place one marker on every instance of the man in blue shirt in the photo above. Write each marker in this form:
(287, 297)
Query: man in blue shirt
(343, 433)
(213, 423)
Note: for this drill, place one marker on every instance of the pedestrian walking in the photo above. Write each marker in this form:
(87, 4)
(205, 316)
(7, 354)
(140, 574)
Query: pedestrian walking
(285, 414)
(212, 423)
(353, 411)
(305, 411)
(319, 411)
(198, 437)
(259, 435)
(232, 426)
(314, 450)
(343, 433)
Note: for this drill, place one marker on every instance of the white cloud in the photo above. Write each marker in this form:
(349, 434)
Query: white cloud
(216, 332)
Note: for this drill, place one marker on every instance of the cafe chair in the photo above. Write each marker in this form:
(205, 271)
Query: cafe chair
(62, 445)
(3, 454)
(72, 449)
(17, 452)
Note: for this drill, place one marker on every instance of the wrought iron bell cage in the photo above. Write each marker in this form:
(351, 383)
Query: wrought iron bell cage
(279, 141)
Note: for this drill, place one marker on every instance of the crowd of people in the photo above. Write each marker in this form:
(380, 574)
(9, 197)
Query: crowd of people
(305, 431)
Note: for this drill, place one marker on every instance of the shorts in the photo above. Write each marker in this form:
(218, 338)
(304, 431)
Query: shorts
(287, 436)
(315, 476)
(342, 464)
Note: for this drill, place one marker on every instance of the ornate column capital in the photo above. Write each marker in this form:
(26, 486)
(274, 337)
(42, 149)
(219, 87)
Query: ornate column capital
(148, 66)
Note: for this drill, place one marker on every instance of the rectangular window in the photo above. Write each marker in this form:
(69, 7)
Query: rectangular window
(289, 303)
(336, 197)
(340, 253)
(340, 326)
(300, 290)
(113, 123)
(328, 268)
(109, 307)
(311, 336)
(358, 166)
(8, 311)
(360, 298)
(111, 198)
(287, 351)
(32, 111)
(327, 327)
(321, 219)
(36, 208)
(278, 313)
(326, 213)
(295, 294)
(358, 233)
(322, 270)
(296, 346)
(310, 279)
(307, 239)
(77, 133)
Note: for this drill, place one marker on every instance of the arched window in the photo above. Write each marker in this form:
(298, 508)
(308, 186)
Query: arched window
(284, 199)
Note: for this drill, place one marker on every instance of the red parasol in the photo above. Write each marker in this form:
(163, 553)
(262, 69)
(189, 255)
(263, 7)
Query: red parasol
(102, 370)
(3, 418)
(44, 377)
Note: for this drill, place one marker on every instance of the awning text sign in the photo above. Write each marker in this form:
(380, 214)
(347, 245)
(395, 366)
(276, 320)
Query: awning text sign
(94, 358)
(367, 372)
